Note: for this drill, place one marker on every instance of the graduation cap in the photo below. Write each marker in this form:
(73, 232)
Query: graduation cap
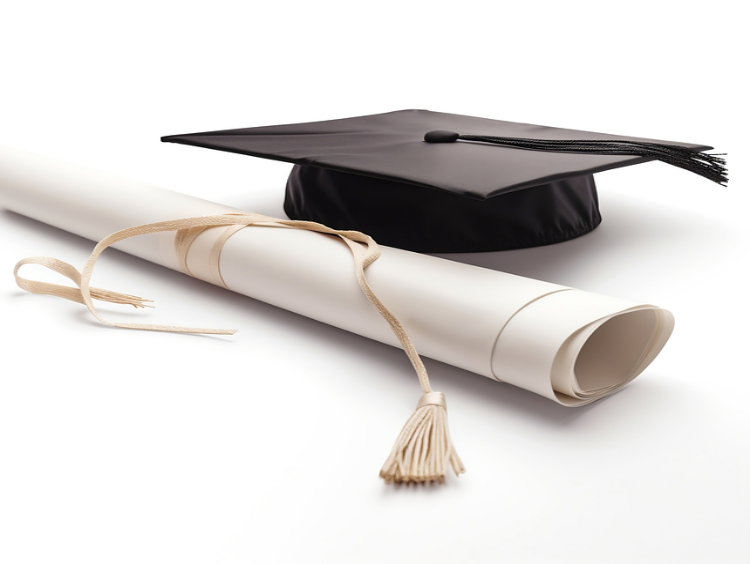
(436, 182)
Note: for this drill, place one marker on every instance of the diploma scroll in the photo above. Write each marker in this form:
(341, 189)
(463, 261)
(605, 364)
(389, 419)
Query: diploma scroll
(568, 345)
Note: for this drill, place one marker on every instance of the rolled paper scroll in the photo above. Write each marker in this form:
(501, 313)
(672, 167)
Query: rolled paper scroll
(568, 345)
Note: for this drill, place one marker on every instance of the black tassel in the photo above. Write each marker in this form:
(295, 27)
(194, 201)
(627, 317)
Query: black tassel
(708, 165)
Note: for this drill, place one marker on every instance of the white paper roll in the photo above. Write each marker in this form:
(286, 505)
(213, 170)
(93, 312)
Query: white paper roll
(565, 344)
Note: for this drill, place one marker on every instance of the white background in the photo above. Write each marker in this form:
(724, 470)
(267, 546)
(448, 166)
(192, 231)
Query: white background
(124, 446)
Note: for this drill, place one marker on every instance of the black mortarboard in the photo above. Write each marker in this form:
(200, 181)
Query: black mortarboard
(435, 182)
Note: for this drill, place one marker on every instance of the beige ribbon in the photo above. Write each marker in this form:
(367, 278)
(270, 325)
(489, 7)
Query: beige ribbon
(423, 448)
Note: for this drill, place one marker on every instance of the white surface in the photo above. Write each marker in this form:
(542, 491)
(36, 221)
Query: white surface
(122, 446)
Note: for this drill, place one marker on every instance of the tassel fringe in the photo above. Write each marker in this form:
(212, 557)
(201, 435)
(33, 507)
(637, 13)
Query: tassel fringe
(117, 298)
(423, 450)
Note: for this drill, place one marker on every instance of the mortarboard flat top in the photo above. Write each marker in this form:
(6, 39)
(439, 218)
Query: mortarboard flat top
(377, 174)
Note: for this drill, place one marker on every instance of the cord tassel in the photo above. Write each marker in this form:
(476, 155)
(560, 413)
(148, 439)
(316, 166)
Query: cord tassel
(423, 450)
(707, 165)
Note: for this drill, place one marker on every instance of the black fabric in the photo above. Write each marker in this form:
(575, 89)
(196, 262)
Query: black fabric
(395, 214)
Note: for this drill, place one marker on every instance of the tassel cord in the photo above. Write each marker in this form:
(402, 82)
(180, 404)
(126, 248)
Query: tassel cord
(362, 258)
(423, 449)
(708, 165)
(363, 248)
